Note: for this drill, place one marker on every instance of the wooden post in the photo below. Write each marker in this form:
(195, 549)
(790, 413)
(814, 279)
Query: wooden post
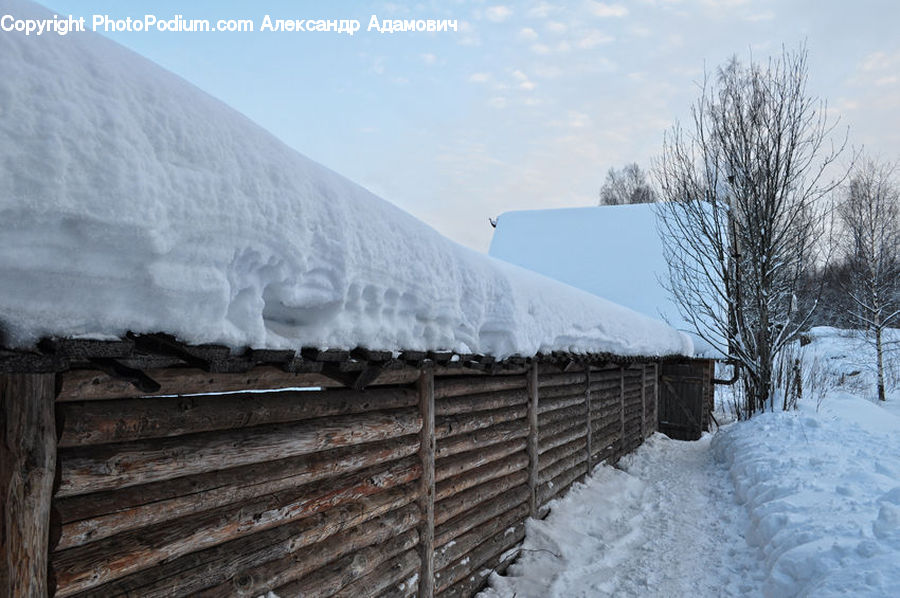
(587, 401)
(656, 397)
(426, 501)
(643, 402)
(621, 411)
(532, 385)
(27, 468)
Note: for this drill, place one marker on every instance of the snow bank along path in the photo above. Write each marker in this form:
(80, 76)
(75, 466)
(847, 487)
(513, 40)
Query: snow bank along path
(665, 524)
(130, 200)
(801, 503)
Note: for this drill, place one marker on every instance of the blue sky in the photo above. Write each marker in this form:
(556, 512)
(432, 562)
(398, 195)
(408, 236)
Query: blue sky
(529, 104)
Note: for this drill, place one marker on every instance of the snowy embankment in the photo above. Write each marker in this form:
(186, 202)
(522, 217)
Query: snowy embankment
(130, 200)
(822, 494)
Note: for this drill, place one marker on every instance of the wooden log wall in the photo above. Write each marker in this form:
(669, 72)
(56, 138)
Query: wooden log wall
(419, 485)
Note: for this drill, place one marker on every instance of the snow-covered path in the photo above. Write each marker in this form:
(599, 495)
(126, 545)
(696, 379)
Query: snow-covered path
(665, 524)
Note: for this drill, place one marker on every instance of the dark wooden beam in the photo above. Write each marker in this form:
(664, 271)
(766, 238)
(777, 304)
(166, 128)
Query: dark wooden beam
(27, 470)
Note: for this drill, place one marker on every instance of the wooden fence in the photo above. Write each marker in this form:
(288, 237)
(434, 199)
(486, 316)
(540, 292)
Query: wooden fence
(147, 483)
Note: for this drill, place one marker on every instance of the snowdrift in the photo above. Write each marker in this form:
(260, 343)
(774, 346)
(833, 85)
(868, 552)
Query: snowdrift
(130, 200)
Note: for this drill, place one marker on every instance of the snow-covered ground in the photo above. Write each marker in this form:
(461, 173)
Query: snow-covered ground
(800, 503)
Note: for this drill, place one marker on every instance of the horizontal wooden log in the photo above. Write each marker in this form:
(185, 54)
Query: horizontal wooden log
(553, 392)
(561, 402)
(564, 464)
(110, 466)
(573, 414)
(198, 570)
(83, 385)
(566, 379)
(457, 464)
(455, 425)
(570, 448)
(485, 473)
(406, 588)
(481, 438)
(90, 517)
(466, 543)
(333, 577)
(99, 562)
(556, 487)
(607, 428)
(474, 561)
(472, 385)
(469, 499)
(471, 585)
(388, 573)
(120, 420)
(490, 509)
(480, 402)
(560, 435)
(256, 581)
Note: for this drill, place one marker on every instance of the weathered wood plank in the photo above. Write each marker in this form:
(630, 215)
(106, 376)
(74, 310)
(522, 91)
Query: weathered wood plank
(465, 543)
(463, 462)
(345, 572)
(472, 385)
(468, 499)
(533, 386)
(87, 566)
(484, 552)
(27, 469)
(488, 510)
(83, 385)
(111, 466)
(390, 572)
(481, 402)
(570, 448)
(481, 438)
(120, 420)
(256, 581)
(198, 570)
(474, 477)
(455, 425)
(561, 402)
(90, 517)
(427, 495)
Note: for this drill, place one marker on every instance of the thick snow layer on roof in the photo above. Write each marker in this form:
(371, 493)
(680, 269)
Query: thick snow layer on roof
(611, 251)
(130, 200)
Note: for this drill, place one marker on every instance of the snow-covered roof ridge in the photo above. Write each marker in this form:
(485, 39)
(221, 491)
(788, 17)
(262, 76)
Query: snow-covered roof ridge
(621, 256)
(130, 200)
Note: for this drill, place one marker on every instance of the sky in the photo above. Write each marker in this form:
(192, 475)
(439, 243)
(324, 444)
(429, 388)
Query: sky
(529, 103)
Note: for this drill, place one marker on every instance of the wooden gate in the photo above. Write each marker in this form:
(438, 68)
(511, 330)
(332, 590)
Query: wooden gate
(685, 398)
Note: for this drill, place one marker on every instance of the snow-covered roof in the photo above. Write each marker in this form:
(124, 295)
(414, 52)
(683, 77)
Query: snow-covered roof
(130, 200)
(611, 251)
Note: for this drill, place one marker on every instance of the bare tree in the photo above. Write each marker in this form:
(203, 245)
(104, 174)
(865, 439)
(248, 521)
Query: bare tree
(870, 214)
(629, 185)
(740, 191)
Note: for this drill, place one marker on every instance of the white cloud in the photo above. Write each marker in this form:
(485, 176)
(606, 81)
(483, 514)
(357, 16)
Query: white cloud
(542, 10)
(578, 120)
(542, 49)
(594, 38)
(760, 16)
(528, 34)
(497, 102)
(556, 27)
(498, 13)
(429, 59)
(604, 10)
(479, 78)
(524, 82)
